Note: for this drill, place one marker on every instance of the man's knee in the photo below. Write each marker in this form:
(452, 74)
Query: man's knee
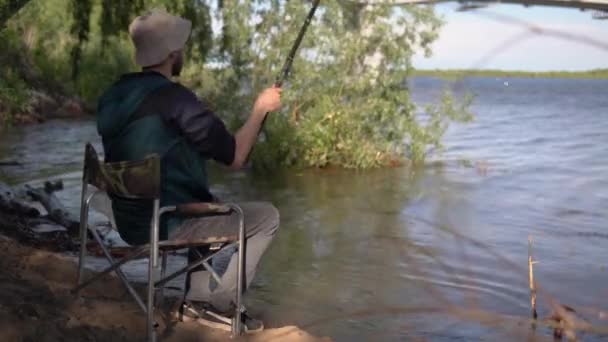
(272, 218)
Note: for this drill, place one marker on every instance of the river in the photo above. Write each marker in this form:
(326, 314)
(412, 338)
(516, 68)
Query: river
(438, 252)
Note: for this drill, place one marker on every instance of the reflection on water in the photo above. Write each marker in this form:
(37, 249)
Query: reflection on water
(390, 254)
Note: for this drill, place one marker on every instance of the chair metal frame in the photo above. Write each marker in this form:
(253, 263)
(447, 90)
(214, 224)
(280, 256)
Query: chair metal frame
(101, 176)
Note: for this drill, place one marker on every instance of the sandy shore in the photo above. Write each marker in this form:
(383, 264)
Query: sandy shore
(36, 305)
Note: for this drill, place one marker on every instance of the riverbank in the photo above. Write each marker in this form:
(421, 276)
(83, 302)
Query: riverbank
(35, 304)
(40, 105)
(30, 95)
(458, 73)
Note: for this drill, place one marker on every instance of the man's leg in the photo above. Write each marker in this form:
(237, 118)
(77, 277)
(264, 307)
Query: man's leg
(261, 224)
(194, 254)
(224, 293)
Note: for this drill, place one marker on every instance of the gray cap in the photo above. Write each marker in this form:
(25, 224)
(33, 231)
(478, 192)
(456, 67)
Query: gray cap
(157, 34)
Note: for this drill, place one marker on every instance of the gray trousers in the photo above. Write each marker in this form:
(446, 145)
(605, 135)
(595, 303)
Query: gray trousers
(261, 224)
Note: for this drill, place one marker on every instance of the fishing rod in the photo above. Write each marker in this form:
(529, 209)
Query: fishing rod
(294, 49)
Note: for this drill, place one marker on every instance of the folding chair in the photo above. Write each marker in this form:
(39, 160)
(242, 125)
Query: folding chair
(141, 180)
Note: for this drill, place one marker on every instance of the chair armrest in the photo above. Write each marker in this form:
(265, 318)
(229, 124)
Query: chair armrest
(202, 208)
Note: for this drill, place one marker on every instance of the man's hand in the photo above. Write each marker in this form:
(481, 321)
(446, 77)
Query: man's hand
(268, 101)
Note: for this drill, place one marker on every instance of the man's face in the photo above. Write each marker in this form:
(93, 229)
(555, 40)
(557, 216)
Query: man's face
(178, 64)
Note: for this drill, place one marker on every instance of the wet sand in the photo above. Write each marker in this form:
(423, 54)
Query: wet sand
(36, 305)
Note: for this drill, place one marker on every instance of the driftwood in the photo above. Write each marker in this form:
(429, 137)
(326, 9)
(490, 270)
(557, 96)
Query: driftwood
(563, 319)
(56, 211)
(12, 202)
(21, 228)
(20, 220)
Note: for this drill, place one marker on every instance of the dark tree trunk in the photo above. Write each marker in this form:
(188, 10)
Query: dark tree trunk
(8, 8)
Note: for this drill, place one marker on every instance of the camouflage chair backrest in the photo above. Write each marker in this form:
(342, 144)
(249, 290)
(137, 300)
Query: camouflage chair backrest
(129, 179)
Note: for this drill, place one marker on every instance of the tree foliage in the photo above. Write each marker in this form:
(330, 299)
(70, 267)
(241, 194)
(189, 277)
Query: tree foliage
(9, 8)
(117, 14)
(347, 101)
(13, 88)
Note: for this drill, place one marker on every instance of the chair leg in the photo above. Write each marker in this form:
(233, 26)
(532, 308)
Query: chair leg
(150, 312)
(84, 218)
(113, 267)
(163, 271)
(118, 271)
(153, 271)
(236, 323)
(83, 251)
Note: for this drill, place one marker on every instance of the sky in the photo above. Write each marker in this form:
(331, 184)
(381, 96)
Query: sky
(468, 37)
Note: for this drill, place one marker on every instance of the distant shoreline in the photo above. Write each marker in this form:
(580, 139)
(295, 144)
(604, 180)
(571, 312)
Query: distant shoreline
(455, 73)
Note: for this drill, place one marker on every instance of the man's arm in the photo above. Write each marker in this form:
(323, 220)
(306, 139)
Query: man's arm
(268, 101)
(203, 129)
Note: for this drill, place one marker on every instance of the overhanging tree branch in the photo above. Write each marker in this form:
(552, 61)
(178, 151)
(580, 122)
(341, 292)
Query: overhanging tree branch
(8, 8)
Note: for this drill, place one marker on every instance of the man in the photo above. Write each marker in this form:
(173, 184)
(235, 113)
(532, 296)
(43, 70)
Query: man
(145, 112)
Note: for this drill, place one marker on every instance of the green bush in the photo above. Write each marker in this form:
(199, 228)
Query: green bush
(101, 66)
(14, 96)
(346, 100)
(14, 91)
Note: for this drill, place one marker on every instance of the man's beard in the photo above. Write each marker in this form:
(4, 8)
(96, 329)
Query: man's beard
(176, 68)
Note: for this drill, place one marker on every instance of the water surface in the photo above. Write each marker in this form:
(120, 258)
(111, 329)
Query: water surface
(391, 254)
